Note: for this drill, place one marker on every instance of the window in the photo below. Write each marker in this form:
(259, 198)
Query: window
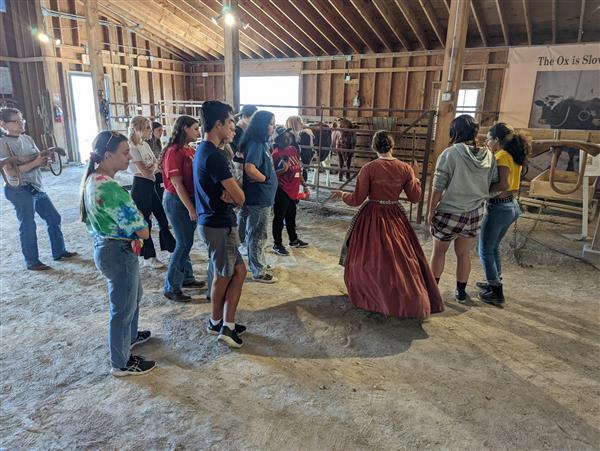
(468, 102)
(279, 90)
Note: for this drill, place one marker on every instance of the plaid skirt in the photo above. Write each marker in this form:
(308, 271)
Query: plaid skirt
(448, 226)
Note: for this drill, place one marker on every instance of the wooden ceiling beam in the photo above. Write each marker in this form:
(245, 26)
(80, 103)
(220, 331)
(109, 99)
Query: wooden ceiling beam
(413, 22)
(263, 23)
(503, 23)
(527, 16)
(282, 23)
(214, 32)
(324, 28)
(446, 3)
(364, 34)
(554, 19)
(390, 17)
(433, 21)
(370, 15)
(212, 8)
(581, 17)
(329, 14)
(147, 34)
(481, 26)
(175, 36)
(306, 27)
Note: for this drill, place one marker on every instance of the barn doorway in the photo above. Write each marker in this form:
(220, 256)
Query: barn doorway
(277, 90)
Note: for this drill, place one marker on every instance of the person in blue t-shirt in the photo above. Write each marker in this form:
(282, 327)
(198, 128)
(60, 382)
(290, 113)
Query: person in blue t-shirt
(260, 186)
(216, 191)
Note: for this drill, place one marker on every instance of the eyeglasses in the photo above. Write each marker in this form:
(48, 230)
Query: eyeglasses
(112, 135)
(18, 121)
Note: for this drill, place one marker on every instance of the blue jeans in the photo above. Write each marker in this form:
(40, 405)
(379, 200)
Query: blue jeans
(495, 224)
(28, 201)
(117, 262)
(180, 266)
(256, 237)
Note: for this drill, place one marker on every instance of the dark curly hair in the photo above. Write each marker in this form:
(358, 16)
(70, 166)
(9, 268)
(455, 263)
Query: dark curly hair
(382, 142)
(517, 144)
(464, 129)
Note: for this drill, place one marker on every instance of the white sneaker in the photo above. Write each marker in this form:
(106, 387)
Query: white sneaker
(243, 250)
(155, 263)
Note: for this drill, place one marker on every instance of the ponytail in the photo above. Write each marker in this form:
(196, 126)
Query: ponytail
(517, 144)
(464, 129)
(104, 142)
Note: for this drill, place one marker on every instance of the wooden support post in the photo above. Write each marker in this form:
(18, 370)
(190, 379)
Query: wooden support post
(451, 72)
(232, 58)
(94, 47)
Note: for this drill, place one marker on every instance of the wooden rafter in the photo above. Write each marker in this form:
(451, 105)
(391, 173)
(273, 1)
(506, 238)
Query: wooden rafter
(433, 21)
(370, 15)
(283, 23)
(413, 22)
(391, 18)
(148, 34)
(481, 26)
(328, 13)
(212, 8)
(581, 17)
(554, 19)
(502, 23)
(527, 15)
(150, 25)
(179, 7)
(323, 27)
(265, 24)
(358, 27)
(305, 26)
(446, 3)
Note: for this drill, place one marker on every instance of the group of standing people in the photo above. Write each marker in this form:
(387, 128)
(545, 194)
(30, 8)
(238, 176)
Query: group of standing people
(252, 167)
(474, 192)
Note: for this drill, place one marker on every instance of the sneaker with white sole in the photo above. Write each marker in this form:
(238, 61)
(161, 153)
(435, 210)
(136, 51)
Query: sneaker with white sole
(230, 337)
(240, 329)
(142, 337)
(136, 366)
(298, 243)
(280, 249)
(265, 278)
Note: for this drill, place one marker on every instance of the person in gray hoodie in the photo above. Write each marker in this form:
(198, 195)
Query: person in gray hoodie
(461, 183)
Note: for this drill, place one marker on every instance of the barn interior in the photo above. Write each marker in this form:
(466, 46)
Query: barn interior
(314, 372)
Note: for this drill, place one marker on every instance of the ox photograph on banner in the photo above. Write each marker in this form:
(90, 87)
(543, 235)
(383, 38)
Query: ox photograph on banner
(566, 100)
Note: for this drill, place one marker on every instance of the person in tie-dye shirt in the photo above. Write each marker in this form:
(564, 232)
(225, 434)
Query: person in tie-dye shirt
(113, 219)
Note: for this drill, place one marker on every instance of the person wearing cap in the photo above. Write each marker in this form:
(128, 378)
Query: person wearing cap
(288, 167)
(243, 118)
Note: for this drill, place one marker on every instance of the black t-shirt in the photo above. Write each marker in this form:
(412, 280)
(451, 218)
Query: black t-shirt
(210, 169)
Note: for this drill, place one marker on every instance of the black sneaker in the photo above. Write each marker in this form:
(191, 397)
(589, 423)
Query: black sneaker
(280, 249)
(265, 278)
(214, 330)
(461, 296)
(177, 297)
(142, 337)
(136, 366)
(195, 284)
(483, 286)
(298, 243)
(494, 296)
(230, 337)
(67, 255)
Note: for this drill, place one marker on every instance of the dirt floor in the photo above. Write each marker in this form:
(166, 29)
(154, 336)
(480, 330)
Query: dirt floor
(314, 372)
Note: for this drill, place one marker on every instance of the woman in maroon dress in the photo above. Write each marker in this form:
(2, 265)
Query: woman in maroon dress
(386, 270)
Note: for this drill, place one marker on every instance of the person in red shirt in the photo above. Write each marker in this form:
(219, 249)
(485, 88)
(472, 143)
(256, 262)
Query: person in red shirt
(288, 167)
(178, 202)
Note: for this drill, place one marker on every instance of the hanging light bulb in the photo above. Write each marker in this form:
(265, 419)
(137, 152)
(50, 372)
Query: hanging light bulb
(43, 37)
(57, 42)
(229, 19)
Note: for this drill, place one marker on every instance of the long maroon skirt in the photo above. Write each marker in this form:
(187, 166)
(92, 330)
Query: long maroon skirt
(386, 270)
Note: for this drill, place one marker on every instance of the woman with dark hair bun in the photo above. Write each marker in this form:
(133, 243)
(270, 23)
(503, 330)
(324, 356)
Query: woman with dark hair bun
(461, 183)
(510, 149)
(385, 268)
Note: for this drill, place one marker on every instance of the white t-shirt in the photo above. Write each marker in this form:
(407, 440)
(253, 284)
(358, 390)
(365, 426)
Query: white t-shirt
(141, 153)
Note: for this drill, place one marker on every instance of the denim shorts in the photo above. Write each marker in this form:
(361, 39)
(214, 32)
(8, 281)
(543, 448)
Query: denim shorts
(222, 246)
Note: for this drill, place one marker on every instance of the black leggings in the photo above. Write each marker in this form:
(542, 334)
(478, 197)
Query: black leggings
(145, 197)
(284, 209)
